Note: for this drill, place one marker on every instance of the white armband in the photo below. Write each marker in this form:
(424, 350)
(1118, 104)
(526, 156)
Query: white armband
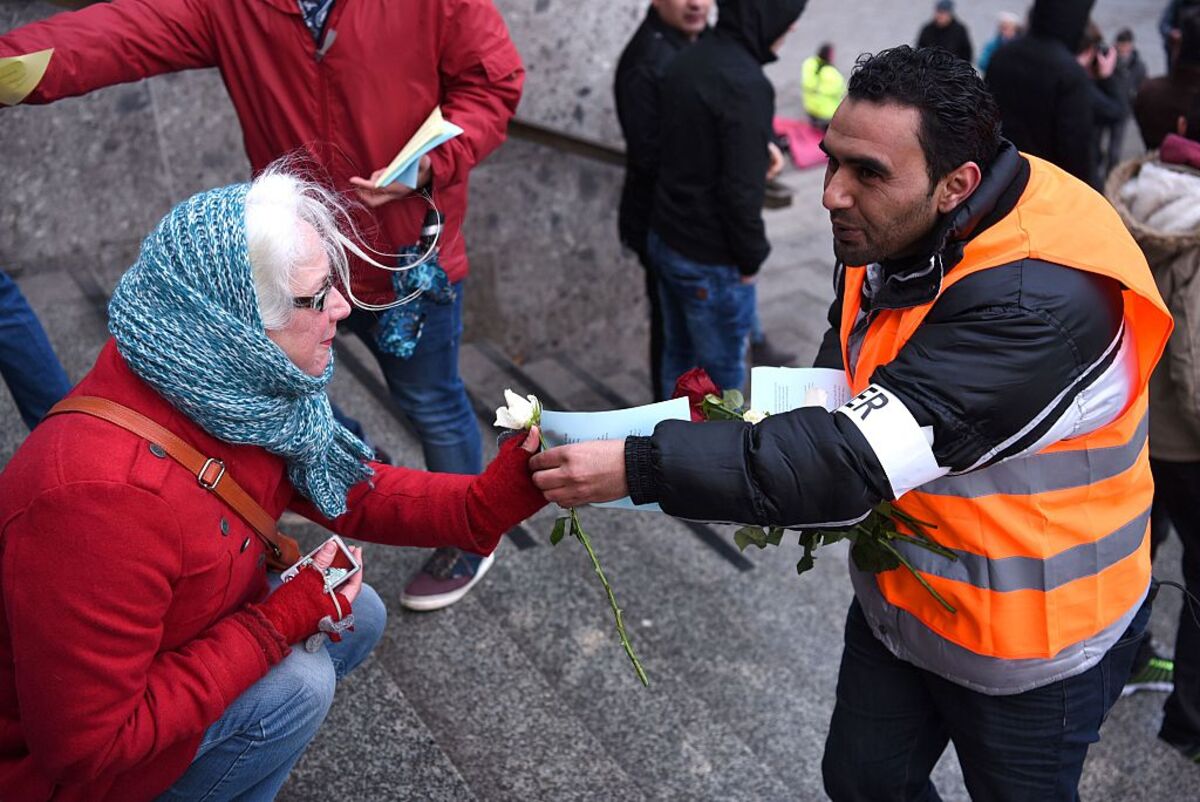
(903, 447)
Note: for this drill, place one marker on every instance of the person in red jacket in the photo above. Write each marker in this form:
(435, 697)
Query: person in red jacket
(142, 649)
(347, 83)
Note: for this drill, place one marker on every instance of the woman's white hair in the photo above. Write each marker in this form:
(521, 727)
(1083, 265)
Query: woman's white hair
(277, 203)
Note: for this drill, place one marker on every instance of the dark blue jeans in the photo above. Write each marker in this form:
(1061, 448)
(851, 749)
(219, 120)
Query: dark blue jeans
(707, 316)
(1176, 486)
(892, 722)
(426, 387)
(31, 370)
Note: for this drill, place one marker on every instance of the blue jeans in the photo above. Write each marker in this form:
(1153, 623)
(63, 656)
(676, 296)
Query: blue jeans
(31, 370)
(247, 754)
(892, 721)
(427, 388)
(707, 315)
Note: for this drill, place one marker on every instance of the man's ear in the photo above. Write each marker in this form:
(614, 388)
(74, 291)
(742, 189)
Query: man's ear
(958, 186)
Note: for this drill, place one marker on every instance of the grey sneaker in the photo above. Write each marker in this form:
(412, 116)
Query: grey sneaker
(444, 579)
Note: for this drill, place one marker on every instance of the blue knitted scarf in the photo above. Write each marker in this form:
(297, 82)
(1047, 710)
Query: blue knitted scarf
(186, 320)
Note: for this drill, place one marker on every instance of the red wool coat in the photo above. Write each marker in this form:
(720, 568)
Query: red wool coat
(124, 631)
(351, 107)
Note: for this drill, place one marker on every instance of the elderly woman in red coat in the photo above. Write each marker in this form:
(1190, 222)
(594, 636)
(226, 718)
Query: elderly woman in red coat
(142, 649)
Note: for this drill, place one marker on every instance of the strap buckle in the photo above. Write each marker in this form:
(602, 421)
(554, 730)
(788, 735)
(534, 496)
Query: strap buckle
(202, 476)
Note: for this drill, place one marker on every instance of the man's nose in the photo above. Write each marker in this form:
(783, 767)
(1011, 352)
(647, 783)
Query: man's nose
(835, 195)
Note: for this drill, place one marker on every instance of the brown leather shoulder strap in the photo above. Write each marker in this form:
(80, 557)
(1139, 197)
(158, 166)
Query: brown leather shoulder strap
(210, 472)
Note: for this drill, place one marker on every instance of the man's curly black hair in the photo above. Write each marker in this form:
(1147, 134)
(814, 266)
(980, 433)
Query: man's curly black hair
(960, 121)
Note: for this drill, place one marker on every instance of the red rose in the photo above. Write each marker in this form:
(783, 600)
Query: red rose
(694, 385)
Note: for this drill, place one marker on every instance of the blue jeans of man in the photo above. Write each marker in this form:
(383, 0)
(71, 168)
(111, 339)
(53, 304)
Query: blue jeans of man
(1176, 485)
(426, 387)
(31, 370)
(247, 753)
(892, 721)
(708, 313)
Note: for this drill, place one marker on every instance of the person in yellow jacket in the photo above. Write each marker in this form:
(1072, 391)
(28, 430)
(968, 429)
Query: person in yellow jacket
(998, 327)
(823, 86)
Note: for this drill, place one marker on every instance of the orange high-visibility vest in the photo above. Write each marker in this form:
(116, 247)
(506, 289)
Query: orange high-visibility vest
(1053, 545)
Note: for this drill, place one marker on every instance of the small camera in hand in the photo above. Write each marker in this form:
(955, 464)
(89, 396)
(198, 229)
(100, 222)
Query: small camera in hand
(339, 571)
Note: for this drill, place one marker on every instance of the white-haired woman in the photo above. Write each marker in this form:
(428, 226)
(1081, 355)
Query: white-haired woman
(142, 652)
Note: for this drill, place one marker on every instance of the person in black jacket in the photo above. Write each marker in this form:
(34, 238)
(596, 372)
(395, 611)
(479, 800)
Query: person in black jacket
(669, 26)
(707, 240)
(1045, 96)
(1008, 359)
(946, 32)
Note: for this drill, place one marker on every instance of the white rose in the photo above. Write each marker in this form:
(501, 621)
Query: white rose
(519, 413)
(754, 416)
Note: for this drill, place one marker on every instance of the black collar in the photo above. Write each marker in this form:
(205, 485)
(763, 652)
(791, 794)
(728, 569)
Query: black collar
(915, 280)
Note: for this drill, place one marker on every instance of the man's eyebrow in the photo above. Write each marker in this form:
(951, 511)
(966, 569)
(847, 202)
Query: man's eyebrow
(874, 165)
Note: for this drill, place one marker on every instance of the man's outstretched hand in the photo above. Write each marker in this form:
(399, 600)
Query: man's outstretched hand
(581, 473)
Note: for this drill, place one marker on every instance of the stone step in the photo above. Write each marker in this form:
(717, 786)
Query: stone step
(674, 743)
(465, 700)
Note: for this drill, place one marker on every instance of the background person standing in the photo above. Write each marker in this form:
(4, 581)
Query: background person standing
(823, 86)
(1044, 95)
(946, 32)
(707, 239)
(1162, 100)
(669, 26)
(1158, 198)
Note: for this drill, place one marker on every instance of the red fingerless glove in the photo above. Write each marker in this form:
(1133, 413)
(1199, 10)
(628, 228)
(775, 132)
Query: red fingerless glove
(296, 607)
(503, 495)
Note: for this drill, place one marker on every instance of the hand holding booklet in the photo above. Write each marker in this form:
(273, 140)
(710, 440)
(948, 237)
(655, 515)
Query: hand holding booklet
(406, 166)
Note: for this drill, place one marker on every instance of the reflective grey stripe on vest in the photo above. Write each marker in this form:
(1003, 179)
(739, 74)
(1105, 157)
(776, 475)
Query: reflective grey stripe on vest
(1033, 573)
(1042, 473)
(910, 640)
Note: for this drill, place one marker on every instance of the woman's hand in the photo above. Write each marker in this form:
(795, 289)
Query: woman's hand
(324, 558)
(296, 607)
(532, 440)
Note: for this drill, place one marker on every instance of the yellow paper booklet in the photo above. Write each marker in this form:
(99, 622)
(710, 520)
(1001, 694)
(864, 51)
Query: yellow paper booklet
(20, 74)
(433, 132)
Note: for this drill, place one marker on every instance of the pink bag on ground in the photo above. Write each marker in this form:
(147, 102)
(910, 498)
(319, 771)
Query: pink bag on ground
(804, 141)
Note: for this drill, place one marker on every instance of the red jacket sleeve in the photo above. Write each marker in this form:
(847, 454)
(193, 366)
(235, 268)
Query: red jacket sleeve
(481, 75)
(113, 43)
(86, 592)
(406, 507)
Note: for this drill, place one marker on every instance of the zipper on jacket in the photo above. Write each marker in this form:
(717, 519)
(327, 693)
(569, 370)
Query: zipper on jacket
(858, 336)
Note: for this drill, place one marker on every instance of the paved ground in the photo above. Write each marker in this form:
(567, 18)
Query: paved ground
(521, 692)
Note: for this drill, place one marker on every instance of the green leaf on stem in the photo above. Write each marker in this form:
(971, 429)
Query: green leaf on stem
(716, 408)
(560, 530)
(751, 536)
(872, 556)
(734, 399)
